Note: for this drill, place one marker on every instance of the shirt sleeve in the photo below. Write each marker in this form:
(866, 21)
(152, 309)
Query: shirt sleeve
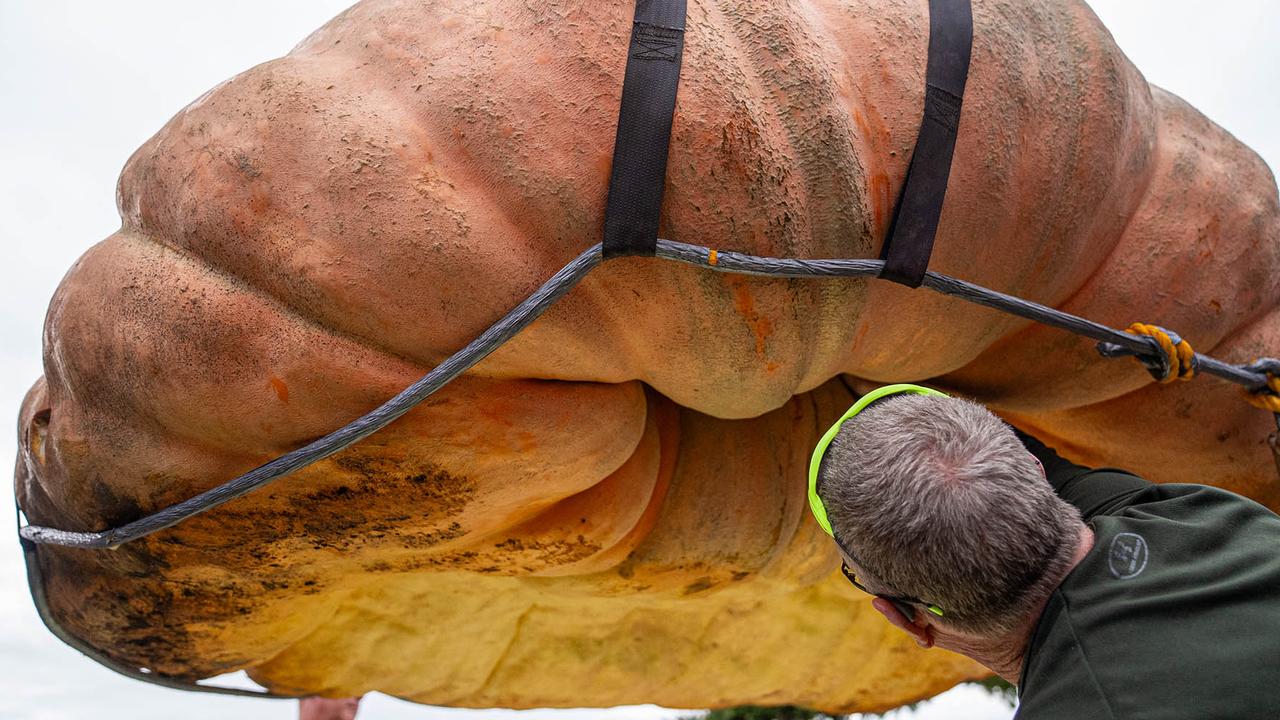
(1093, 492)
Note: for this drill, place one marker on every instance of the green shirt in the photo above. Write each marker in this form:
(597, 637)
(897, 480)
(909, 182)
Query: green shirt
(1174, 613)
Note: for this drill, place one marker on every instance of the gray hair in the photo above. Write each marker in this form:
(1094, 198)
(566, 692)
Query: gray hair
(941, 501)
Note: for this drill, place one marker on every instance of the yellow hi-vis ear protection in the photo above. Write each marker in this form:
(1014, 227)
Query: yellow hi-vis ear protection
(815, 502)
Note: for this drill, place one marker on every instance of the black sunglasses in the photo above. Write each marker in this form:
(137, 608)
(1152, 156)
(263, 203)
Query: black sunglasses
(903, 603)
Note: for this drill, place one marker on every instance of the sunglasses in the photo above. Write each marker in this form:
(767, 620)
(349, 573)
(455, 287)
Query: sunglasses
(901, 602)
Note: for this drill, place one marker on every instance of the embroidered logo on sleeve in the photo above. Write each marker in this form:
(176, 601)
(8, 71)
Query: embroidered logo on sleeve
(1128, 555)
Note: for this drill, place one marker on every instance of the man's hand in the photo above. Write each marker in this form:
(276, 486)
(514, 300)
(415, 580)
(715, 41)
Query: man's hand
(318, 708)
(922, 633)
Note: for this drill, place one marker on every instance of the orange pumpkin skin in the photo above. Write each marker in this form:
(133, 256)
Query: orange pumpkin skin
(610, 509)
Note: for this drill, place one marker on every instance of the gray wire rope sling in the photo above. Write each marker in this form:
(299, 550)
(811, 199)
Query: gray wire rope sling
(631, 227)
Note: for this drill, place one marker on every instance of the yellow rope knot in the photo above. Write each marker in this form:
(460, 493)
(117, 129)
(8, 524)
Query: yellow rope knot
(1179, 358)
(1265, 398)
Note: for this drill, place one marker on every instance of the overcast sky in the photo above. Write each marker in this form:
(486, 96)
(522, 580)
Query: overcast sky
(83, 84)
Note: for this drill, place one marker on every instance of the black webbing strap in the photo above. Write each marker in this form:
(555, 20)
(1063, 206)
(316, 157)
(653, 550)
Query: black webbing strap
(915, 220)
(644, 128)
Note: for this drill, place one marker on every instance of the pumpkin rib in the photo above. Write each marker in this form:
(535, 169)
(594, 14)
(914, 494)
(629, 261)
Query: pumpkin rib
(283, 303)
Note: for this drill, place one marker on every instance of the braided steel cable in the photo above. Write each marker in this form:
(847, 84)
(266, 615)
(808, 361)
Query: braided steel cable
(1253, 377)
(475, 351)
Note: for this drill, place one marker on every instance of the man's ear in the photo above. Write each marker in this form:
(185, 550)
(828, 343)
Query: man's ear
(921, 633)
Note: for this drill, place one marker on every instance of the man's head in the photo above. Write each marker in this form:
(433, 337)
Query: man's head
(936, 498)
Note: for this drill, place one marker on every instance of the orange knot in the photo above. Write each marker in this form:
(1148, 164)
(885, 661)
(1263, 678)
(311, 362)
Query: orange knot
(713, 257)
(1179, 359)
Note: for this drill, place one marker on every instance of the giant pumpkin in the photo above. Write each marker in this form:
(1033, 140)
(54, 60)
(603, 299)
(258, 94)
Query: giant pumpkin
(610, 509)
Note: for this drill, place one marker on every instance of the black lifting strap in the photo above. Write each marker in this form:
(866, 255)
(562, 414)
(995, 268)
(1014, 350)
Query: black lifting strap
(644, 128)
(915, 221)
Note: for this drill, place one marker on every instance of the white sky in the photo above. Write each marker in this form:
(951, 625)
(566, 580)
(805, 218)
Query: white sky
(83, 84)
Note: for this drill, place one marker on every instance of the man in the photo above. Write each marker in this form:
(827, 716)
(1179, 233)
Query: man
(1099, 594)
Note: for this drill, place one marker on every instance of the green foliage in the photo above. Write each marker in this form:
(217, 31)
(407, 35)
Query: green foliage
(1001, 688)
(994, 684)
